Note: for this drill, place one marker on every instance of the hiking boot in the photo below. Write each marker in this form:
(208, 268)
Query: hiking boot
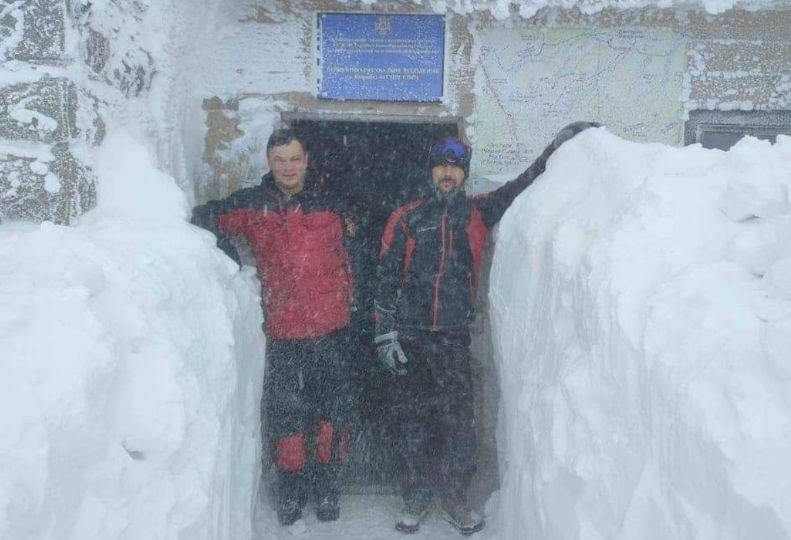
(462, 517)
(327, 508)
(289, 510)
(411, 516)
(291, 497)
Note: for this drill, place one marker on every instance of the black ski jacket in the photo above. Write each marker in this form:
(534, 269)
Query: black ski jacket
(431, 255)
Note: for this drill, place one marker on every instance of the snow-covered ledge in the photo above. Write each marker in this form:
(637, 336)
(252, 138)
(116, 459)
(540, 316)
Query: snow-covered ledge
(641, 301)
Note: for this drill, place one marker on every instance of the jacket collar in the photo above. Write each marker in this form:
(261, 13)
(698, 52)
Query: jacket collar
(449, 198)
(268, 183)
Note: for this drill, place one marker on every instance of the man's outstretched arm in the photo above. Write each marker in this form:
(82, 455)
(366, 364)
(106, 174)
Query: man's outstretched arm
(493, 205)
(212, 217)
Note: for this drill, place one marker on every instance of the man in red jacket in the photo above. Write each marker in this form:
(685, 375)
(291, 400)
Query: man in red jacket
(429, 265)
(295, 229)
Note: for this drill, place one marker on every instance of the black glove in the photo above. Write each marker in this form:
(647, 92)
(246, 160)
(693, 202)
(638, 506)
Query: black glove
(569, 131)
(390, 353)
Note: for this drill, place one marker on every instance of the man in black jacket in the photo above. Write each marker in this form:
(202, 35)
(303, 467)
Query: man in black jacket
(430, 260)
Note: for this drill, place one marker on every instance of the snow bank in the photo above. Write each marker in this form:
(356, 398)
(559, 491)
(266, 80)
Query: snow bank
(641, 297)
(132, 359)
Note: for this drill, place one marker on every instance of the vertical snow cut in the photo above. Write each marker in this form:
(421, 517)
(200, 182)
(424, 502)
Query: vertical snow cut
(641, 301)
(132, 357)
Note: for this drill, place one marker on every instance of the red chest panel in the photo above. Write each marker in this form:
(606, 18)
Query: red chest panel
(477, 232)
(304, 267)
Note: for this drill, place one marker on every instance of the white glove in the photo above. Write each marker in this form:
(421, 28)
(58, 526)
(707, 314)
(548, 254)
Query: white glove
(390, 353)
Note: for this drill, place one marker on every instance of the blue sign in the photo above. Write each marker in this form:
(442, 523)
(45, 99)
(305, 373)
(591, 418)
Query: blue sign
(381, 57)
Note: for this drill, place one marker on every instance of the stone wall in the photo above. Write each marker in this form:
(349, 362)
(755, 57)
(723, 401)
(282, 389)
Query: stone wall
(41, 179)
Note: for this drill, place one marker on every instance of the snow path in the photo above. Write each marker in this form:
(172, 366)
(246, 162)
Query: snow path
(363, 517)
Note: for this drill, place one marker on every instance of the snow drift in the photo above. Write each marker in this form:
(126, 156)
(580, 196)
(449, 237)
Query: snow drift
(132, 359)
(641, 300)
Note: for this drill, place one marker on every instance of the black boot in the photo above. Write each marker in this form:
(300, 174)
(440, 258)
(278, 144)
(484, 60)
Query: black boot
(327, 508)
(463, 518)
(417, 504)
(457, 512)
(291, 497)
(288, 511)
(325, 487)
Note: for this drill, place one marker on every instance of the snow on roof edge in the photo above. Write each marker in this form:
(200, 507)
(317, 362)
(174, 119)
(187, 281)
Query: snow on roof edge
(502, 9)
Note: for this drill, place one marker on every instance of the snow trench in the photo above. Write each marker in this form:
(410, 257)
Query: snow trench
(641, 309)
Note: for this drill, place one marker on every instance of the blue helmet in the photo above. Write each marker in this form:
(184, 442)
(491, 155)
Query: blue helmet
(450, 150)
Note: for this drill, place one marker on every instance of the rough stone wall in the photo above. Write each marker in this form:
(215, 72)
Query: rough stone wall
(40, 132)
(726, 74)
(111, 43)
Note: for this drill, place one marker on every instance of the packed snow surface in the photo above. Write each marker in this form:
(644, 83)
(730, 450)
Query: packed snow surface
(132, 358)
(641, 301)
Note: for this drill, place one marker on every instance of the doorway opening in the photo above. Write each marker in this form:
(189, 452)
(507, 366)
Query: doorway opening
(377, 165)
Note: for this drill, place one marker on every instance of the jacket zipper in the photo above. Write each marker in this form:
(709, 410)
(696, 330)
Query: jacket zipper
(440, 270)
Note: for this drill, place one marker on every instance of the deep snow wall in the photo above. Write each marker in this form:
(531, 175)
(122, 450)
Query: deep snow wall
(131, 347)
(132, 359)
(641, 309)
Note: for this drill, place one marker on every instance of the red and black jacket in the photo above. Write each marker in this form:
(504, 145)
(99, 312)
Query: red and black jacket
(298, 245)
(431, 255)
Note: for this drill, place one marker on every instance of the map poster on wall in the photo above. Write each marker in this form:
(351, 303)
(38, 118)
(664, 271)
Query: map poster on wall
(380, 57)
(532, 81)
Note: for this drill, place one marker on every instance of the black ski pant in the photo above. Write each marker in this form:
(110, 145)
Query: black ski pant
(432, 413)
(308, 405)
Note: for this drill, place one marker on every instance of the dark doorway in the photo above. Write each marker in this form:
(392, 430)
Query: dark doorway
(376, 166)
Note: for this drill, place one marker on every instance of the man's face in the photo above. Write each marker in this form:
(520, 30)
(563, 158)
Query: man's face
(447, 177)
(288, 163)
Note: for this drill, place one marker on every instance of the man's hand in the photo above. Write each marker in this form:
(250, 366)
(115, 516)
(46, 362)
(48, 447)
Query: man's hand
(569, 131)
(390, 353)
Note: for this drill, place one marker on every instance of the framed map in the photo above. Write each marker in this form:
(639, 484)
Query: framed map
(536, 80)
